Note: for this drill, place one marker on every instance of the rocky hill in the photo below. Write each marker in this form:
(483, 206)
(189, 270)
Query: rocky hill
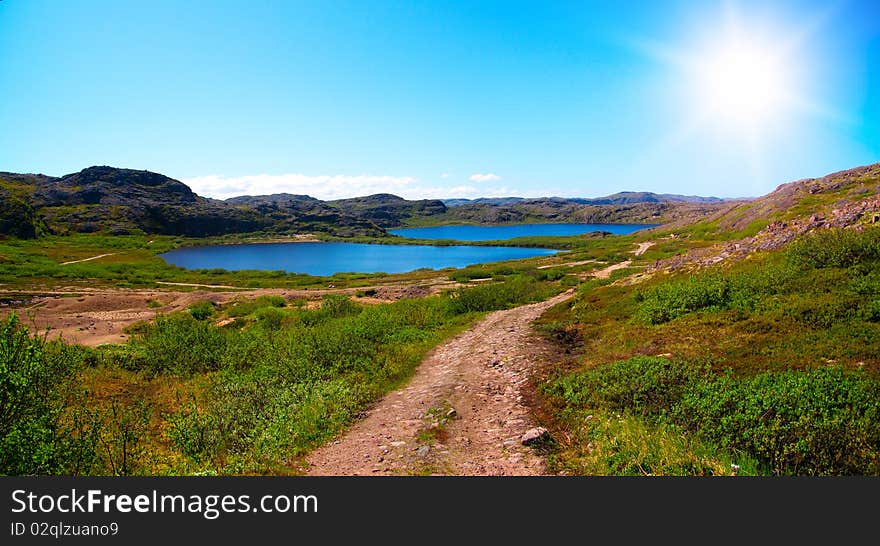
(559, 210)
(620, 198)
(845, 199)
(388, 210)
(121, 201)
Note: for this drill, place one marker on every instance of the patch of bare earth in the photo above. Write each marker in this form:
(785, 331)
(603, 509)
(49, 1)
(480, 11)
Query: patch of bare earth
(95, 317)
(463, 413)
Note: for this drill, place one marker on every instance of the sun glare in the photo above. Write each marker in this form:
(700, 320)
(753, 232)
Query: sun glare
(742, 83)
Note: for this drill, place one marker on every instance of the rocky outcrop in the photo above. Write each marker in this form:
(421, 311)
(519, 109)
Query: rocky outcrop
(848, 199)
(387, 211)
(122, 201)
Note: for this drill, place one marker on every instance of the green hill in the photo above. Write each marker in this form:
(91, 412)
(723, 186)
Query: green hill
(745, 343)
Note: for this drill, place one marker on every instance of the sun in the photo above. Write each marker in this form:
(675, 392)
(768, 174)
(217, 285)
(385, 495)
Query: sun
(742, 80)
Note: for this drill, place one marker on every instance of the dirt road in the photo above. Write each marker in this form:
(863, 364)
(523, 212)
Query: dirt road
(606, 272)
(474, 384)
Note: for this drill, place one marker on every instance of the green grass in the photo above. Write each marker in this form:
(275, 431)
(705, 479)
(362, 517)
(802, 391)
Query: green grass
(133, 262)
(773, 360)
(186, 395)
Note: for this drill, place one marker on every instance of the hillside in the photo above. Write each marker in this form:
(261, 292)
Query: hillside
(122, 201)
(838, 200)
(620, 198)
(386, 210)
(117, 201)
(559, 210)
(747, 343)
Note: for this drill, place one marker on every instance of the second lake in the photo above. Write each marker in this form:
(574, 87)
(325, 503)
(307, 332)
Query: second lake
(499, 233)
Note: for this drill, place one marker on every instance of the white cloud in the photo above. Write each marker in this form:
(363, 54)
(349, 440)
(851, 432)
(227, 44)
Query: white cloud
(329, 187)
(444, 175)
(487, 177)
(320, 186)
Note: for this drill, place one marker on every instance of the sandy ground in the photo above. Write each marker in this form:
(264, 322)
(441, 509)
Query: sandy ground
(95, 317)
(481, 375)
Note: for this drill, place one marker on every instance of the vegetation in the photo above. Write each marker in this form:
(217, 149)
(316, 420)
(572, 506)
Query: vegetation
(251, 396)
(769, 366)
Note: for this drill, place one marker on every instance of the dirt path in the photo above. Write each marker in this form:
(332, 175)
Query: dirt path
(88, 259)
(567, 264)
(473, 383)
(606, 272)
(643, 247)
(196, 285)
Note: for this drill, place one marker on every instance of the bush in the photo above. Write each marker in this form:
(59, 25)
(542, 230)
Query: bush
(825, 421)
(820, 422)
(270, 318)
(470, 273)
(714, 291)
(337, 305)
(643, 385)
(674, 299)
(280, 392)
(37, 379)
(501, 295)
(201, 310)
(242, 308)
(180, 344)
(835, 248)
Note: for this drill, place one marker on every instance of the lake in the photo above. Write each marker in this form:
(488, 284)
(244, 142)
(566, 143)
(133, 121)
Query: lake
(329, 258)
(499, 233)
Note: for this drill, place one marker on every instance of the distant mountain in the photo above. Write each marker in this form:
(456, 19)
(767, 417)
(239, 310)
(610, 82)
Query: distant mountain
(482, 201)
(620, 198)
(119, 201)
(277, 199)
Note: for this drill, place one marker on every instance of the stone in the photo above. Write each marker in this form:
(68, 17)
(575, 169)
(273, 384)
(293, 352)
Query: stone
(534, 436)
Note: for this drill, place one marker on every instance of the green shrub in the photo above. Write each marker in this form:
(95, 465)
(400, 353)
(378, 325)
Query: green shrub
(122, 450)
(821, 311)
(825, 421)
(673, 299)
(644, 385)
(270, 318)
(470, 273)
(819, 422)
(242, 308)
(499, 295)
(180, 344)
(337, 305)
(201, 310)
(835, 248)
(280, 392)
(39, 434)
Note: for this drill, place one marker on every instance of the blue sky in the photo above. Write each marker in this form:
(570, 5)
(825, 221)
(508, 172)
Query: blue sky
(436, 99)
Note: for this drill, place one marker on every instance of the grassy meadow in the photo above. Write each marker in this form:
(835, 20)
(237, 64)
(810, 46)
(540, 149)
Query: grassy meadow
(767, 366)
(246, 388)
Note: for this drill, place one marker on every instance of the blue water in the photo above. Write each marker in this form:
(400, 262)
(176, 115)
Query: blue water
(499, 233)
(329, 258)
